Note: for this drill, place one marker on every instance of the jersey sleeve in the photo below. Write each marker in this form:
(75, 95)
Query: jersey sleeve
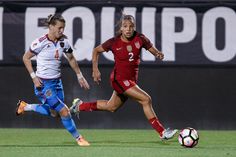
(146, 42)
(35, 47)
(107, 45)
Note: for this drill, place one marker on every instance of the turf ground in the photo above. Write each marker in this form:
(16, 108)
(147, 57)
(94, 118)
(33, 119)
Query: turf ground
(111, 143)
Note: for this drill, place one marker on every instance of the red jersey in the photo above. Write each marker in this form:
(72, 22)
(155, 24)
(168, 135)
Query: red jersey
(126, 55)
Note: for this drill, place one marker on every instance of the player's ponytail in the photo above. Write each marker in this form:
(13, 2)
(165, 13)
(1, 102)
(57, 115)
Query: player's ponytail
(51, 20)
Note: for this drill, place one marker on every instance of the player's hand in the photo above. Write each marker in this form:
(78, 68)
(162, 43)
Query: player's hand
(96, 76)
(160, 55)
(82, 81)
(37, 82)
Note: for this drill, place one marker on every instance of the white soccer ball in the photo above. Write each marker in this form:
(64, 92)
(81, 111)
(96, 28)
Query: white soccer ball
(188, 137)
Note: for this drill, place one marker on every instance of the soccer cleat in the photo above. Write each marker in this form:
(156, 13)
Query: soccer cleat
(82, 142)
(20, 107)
(74, 109)
(168, 134)
(75, 105)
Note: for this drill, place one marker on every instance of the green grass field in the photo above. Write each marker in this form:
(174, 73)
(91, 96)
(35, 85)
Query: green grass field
(111, 143)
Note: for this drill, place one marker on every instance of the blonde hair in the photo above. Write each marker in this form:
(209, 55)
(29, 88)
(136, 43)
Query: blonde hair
(124, 17)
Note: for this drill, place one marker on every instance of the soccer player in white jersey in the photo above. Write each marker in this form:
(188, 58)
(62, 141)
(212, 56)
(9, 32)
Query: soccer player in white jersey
(48, 87)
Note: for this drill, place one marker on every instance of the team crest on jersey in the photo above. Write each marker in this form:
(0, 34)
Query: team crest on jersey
(137, 45)
(126, 82)
(62, 44)
(129, 48)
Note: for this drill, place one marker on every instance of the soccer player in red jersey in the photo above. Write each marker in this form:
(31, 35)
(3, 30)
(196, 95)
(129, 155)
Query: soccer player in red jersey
(126, 48)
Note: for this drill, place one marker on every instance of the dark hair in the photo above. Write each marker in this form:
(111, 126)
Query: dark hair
(51, 20)
(124, 17)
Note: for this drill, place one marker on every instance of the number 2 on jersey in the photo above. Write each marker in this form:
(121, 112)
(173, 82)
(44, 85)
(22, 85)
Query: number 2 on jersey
(131, 56)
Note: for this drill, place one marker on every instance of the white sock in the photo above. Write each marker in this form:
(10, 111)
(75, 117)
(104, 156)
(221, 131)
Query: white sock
(30, 107)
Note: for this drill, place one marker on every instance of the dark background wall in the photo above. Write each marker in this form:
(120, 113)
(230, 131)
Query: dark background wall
(201, 97)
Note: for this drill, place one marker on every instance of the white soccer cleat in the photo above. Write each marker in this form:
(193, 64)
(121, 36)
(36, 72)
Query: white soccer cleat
(75, 105)
(74, 109)
(168, 134)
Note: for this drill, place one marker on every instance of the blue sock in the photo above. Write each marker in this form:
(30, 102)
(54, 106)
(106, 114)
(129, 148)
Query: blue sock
(69, 124)
(42, 110)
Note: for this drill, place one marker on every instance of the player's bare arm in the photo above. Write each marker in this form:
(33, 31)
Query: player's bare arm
(27, 61)
(74, 65)
(156, 52)
(96, 73)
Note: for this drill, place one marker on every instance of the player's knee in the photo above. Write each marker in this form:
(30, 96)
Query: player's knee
(65, 112)
(147, 100)
(110, 106)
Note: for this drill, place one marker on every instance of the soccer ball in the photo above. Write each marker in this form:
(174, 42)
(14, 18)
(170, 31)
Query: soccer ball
(188, 137)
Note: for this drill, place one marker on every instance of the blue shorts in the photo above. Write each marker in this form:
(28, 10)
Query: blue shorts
(51, 93)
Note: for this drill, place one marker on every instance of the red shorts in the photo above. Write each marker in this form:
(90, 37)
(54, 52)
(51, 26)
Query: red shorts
(120, 86)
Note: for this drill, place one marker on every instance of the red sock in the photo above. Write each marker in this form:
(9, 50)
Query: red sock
(156, 125)
(88, 106)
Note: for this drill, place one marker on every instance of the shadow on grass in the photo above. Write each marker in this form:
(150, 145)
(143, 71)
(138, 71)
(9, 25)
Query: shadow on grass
(99, 143)
(38, 145)
(116, 143)
(132, 142)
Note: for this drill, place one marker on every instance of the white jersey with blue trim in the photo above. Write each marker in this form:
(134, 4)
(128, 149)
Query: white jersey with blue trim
(48, 56)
